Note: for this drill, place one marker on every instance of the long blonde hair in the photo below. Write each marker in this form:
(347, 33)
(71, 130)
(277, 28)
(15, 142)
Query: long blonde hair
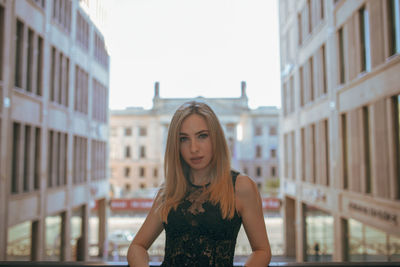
(176, 170)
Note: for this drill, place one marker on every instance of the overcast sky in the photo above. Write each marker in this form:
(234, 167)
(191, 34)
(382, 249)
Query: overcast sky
(193, 48)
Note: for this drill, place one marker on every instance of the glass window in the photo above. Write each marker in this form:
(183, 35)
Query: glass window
(319, 235)
(53, 238)
(128, 131)
(258, 131)
(127, 172)
(367, 243)
(394, 26)
(76, 234)
(142, 172)
(19, 242)
(142, 131)
(365, 40)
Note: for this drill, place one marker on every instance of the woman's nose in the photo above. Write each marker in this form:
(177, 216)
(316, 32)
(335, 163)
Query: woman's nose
(194, 146)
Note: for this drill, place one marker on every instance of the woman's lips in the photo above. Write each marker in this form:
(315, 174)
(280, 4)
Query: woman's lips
(196, 160)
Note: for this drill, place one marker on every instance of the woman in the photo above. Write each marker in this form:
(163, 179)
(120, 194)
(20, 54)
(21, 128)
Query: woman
(202, 202)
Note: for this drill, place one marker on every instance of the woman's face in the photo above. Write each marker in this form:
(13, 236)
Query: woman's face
(195, 142)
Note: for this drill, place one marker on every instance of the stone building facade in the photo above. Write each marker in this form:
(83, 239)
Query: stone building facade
(138, 139)
(54, 79)
(340, 160)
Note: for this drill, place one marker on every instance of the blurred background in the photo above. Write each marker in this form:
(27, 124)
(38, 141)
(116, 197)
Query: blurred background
(307, 93)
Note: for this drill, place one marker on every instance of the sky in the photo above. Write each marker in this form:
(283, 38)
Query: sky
(193, 48)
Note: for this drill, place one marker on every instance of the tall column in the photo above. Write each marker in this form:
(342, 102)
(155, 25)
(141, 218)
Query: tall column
(340, 239)
(102, 213)
(289, 219)
(301, 237)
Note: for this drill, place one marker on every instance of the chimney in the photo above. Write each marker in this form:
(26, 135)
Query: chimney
(243, 89)
(157, 89)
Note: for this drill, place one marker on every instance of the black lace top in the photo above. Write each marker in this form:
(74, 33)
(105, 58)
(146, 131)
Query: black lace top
(196, 234)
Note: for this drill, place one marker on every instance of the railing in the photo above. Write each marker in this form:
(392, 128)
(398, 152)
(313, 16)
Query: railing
(154, 264)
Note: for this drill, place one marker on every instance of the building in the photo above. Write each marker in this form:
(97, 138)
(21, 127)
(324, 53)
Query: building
(138, 139)
(340, 68)
(54, 79)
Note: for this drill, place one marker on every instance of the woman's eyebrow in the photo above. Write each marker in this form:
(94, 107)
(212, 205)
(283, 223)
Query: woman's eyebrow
(202, 131)
(199, 132)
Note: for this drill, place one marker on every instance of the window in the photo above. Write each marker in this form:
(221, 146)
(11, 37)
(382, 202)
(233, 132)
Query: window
(127, 172)
(142, 131)
(128, 131)
(273, 171)
(326, 131)
(127, 152)
(25, 174)
(273, 130)
(80, 160)
(142, 172)
(142, 152)
(230, 128)
(341, 58)
(396, 123)
(323, 69)
(19, 47)
(258, 131)
(302, 93)
(100, 52)
(98, 159)
(99, 103)
(258, 151)
(310, 87)
(53, 231)
(142, 186)
(62, 14)
(57, 159)
(367, 156)
(303, 154)
(344, 150)
(364, 40)
(29, 61)
(59, 80)
(273, 153)
(394, 26)
(299, 23)
(313, 154)
(81, 90)
(155, 172)
(258, 171)
(82, 31)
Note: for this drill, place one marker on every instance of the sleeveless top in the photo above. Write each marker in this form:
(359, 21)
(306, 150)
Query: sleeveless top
(197, 235)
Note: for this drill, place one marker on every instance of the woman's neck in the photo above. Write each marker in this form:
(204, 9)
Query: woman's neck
(199, 177)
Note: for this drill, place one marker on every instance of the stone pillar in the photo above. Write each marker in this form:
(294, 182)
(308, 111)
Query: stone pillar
(102, 213)
(289, 219)
(340, 239)
(301, 235)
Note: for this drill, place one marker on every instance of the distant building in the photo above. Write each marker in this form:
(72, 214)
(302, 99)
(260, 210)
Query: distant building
(54, 79)
(138, 139)
(340, 134)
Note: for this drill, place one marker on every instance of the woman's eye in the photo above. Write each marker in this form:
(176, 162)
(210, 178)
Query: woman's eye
(203, 136)
(183, 139)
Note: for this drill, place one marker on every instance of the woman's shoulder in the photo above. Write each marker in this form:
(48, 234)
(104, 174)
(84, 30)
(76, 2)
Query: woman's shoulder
(245, 185)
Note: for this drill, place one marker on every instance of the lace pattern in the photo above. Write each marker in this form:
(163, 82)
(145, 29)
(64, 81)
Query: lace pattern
(197, 235)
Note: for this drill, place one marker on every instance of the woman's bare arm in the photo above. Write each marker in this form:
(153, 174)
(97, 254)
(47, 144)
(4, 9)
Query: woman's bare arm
(148, 232)
(249, 206)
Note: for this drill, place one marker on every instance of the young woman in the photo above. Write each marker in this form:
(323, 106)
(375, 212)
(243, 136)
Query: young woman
(202, 203)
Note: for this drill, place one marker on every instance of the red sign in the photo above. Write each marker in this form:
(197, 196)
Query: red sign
(271, 203)
(133, 204)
